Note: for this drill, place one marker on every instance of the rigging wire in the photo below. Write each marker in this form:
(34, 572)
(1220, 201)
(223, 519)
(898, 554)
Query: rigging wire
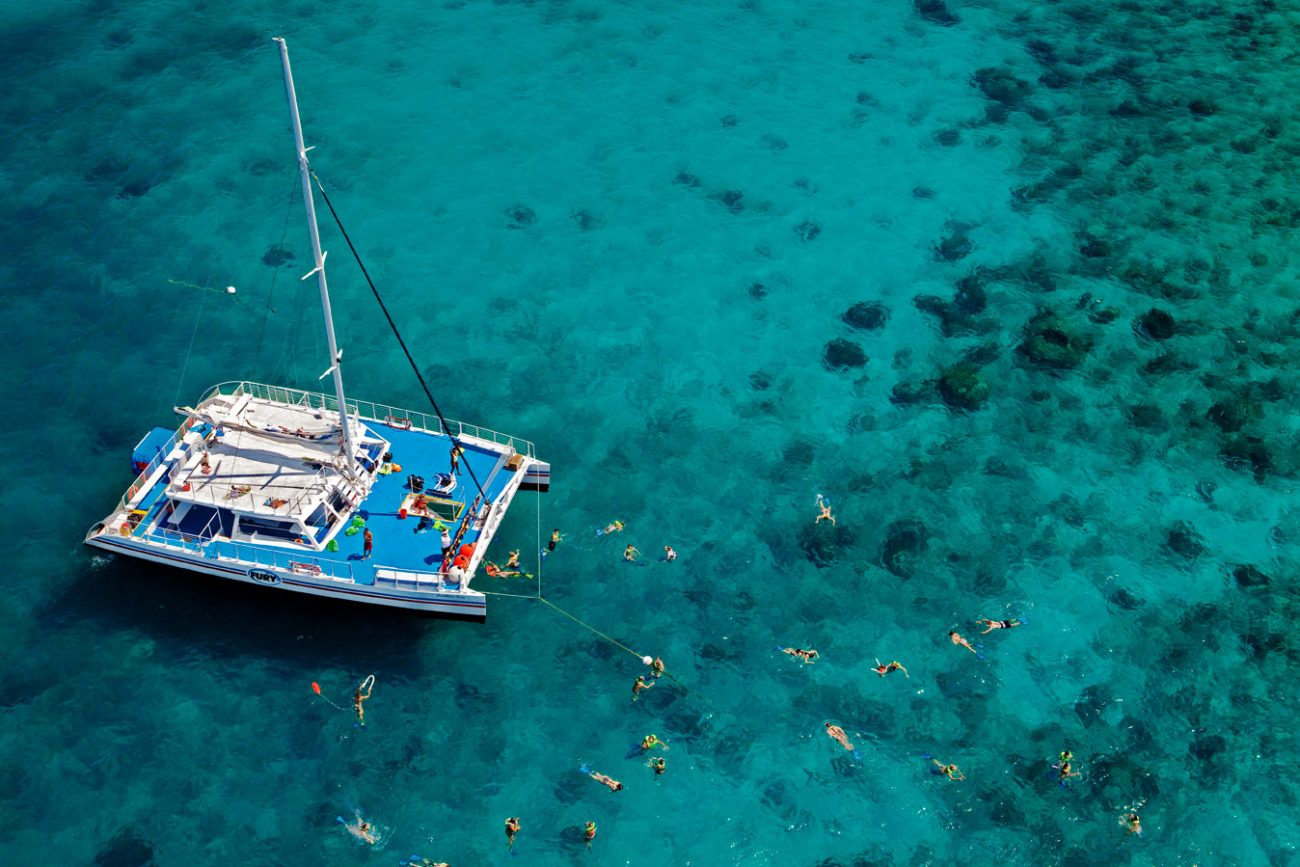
(455, 443)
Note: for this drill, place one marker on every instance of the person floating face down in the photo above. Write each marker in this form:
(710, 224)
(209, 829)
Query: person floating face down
(512, 828)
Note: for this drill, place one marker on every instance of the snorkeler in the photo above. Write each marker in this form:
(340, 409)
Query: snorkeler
(991, 625)
(957, 639)
(824, 511)
(808, 656)
(837, 734)
(361, 829)
(649, 742)
(658, 763)
(555, 539)
(614, 785)
(358, 697)
(614, 526)
(495, 571)
(669, 554)
(639, 685)
(589, 833)
(512, 828)
(1132, 823)
(513, 562)
(656, 667)
(883, 670)
(952, 772)
(630, 554)
(1065, 768)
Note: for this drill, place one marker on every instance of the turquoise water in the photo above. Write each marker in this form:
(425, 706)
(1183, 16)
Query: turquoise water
(629, 232)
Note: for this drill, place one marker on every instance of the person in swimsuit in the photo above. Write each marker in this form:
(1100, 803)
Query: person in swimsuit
(656, 667)
(952, 772)
(658, 764)
(808, 656)
(990, 625)
(456, 452)
(589, 833)
(1132, 823)
(824, 511)
(512, 828)
(614, 785)
(495, 571)
(368, 546)
(555, 539)
(1065, 769)
(958, 640)
(649, 742)
(883, 670)
(669, 554)
(360, 697)
(630, 553)
(837, 734)
(513, 561)
(614, 527)
(362, 831)
(639, 685)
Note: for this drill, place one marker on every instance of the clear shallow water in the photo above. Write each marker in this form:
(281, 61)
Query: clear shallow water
(658, 328)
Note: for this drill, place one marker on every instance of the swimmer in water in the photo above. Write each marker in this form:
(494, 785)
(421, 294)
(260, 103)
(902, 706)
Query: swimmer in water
(656, 667)
(824, 511)
(639, 685)
(808, 656)
(589, 833)
(359, 697)
(990, 625)
(658, 763)
(555, 539)
(952, 772)
(1065, 768)
(513, 562)
(958, 640)
(630, 554)
(669, 554)
(362, 831)
(614, 527)
(837, 734)
(1132, 823)
(649, 742)
(883, 670)
(512, 828)
(614, 785)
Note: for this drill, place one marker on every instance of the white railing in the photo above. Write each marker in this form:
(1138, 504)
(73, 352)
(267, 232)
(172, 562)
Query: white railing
(378, 412)
(142, 479)
(285, 561)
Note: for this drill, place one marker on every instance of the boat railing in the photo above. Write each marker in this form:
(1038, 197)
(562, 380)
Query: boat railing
(405, 419)
(300, 563)
(404, 579)
(188, 541)
(142, 480)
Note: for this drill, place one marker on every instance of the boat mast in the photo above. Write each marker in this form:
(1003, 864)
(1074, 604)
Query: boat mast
(336, 357)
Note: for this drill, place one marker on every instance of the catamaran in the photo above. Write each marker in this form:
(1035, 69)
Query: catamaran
(318, 494)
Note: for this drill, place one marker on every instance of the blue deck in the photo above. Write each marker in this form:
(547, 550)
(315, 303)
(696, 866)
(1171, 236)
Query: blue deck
(397, 545)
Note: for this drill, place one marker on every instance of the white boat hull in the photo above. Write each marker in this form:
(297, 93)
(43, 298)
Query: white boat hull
(464, 605)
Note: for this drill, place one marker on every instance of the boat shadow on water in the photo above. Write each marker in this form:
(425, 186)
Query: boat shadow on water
(196, 612)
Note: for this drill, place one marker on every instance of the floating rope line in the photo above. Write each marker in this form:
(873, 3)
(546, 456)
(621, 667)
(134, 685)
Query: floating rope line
(393, 325)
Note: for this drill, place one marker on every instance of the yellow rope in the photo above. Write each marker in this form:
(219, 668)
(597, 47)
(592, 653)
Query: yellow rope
(589, 626)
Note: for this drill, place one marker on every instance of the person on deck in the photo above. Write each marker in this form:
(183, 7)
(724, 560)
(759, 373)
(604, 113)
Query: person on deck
(456, 452)
(446, 544)
(368, 545)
